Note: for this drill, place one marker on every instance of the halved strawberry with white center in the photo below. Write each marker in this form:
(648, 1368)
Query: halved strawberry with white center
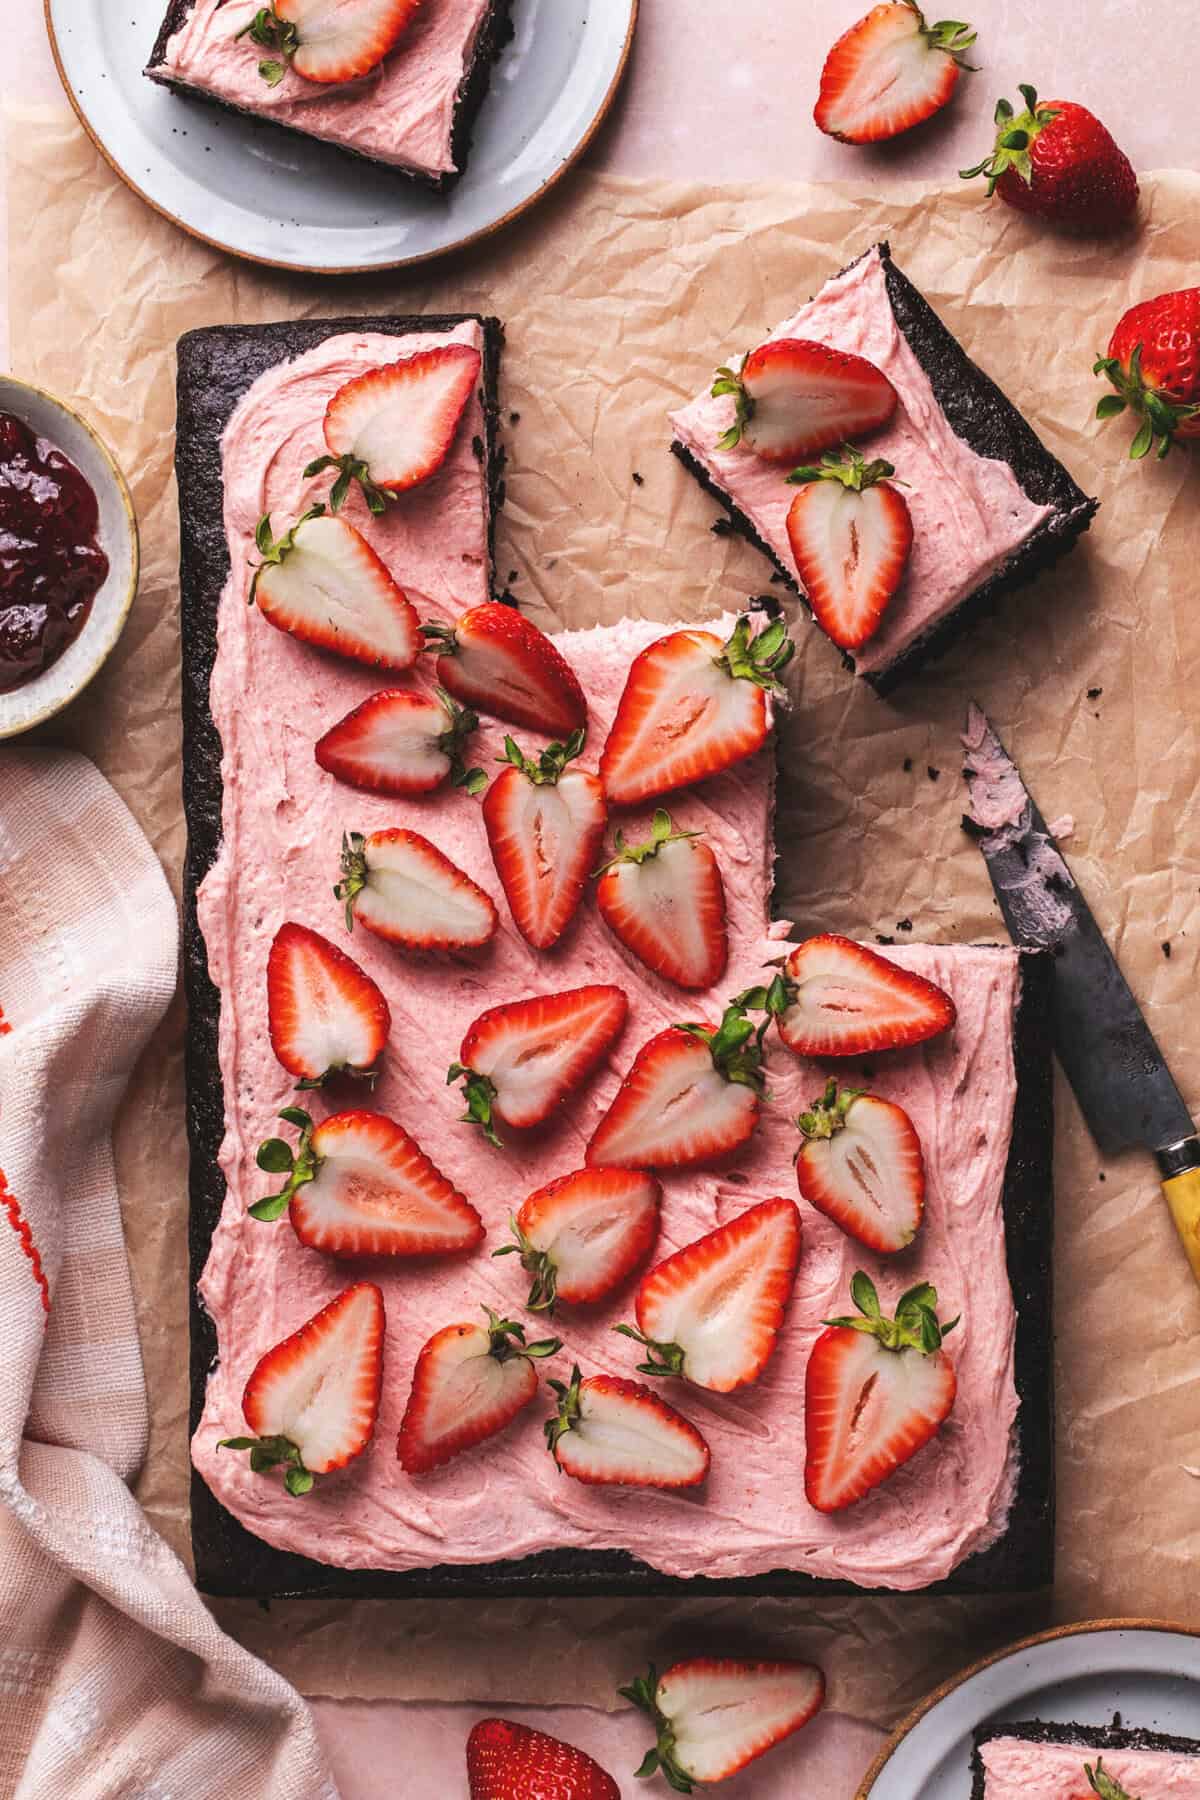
(398, 742)
(834, 997)
(692, 706)
(545, 823)
(610, 1432)
(322, 582)
(519, 1062)
(877, 1390)
(665, 900)
(889, 72)
(712, 1312)
(495, 659)
(714, 1715)
(861, 1165)
(469, 1383)
(793, 397)
(312, 1401)
(582, 1235)
(325, 1014)
(401, 887)
(693, 1094)
(391, 428)
(851, 536)
(358, 1185)
(328, 40)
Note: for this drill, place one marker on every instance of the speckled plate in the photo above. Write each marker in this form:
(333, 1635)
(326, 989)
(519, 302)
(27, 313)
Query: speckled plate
(1147, 1671)
(262, 194)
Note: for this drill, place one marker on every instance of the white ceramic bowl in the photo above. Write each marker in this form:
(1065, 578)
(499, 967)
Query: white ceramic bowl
(47, 693)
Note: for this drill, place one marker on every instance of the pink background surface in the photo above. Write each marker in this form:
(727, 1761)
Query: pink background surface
(756, 62)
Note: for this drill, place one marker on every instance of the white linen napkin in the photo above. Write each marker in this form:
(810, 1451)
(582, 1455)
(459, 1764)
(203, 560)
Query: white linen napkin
(114, 1678)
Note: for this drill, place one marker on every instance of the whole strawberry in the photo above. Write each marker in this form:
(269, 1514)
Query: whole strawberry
(1153, 362)
(1056, 160)
(506, 1761)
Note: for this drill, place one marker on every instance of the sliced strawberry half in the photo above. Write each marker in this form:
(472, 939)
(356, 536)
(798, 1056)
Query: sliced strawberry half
(398, 742)
(793, 397)
(692, 706)
(714, 1715)
(581, 1236)
(876, 1391)
(325, 1014)
(834, 997)
(851, 535)
(469, 1383)
(493, 658)
(392, 428)
(693, 1094)
(861, 1165)
(506, 1761)
(889, 72)
(358, 1185)
(712, 1312)
(312, 1401)
(322, 582)
(665, 900)
(611, 1432)
(402, 887)
(545, 823)
(519, 1062)
(325, 40)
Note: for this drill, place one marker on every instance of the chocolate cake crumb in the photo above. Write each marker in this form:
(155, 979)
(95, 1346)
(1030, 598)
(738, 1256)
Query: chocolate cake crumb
(881, 937)
(638, 480)
(1166, 948)
(1094, 693)
(514, 418)
(477, 448)
(721, 526)
(933, 774)
(903, 924)
(908, 763)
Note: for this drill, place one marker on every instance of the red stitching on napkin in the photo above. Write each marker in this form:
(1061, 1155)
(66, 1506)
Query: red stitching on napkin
(16, 1218)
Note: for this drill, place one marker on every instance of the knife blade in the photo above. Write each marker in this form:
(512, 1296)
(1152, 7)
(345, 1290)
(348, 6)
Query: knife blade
(1125, 1090)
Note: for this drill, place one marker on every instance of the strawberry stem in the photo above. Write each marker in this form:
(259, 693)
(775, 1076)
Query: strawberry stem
(1015, 135)
(1104, 1784)
(452, 741)
(567, 1416)
(351, 468)
(665, 1360)
(268, 1453)
(543, 1295)
(479, 1092)
(758, 659)
(550, 764)
(643, 1692)
(276, 1157)
(354, 873)
(508, 1340)
(276, 550)
(771, 1000)
(735, 1046)
(1161, 416)
(729, 381)
(267, 29)
(846, 465)
(662, 832)
(828, 1115)
(916, 1325)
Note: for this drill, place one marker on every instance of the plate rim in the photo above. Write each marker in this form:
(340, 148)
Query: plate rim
(1055, 1634)
(369, 268)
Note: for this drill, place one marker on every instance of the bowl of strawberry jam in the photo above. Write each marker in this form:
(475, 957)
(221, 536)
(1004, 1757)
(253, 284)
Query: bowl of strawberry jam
(68, 555)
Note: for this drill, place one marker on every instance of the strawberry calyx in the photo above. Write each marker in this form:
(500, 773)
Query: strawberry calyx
(760, 658)
(276, 1157)
(506, 1340)
(479, 1091)
(273, 550)
(662, 832)
(954, 36)
(665, 1360)
(916, 1325)
(549, 765)
(735, 1046)
(1015, 135)
(543, 1294)
(568, 1414)
(271, 32)
(772, 1000)
(729, 381)
(827, 1116)
(661, 1759)
(451, 742)
(1161, 416)
(1104, 1784)
(271, 1453)
(846, 465)
(350, 469)
(354, 873)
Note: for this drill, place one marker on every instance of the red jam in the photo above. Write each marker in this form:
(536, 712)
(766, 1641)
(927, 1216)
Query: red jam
(51, 565)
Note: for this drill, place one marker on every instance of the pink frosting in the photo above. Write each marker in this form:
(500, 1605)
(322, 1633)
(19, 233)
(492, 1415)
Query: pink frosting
(1018, 1770)
(283, 821)
(968, 511)
(401, 113)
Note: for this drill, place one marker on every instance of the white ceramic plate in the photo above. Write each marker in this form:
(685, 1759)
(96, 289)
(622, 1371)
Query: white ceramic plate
(263, 194)
(49, 692)
(1147, 1672)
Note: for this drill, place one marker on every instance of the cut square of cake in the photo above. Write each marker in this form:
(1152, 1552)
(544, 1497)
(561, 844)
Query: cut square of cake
(1079, 1762)
(401, 87)
(990, 506)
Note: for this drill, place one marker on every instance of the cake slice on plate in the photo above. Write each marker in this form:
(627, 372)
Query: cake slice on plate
(988, 505)
(398, 82)
(1035, 1761)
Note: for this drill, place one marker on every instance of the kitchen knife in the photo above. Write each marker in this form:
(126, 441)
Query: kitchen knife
(1123, 1085)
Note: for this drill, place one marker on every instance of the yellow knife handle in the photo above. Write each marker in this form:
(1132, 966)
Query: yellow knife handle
(1180, 1166)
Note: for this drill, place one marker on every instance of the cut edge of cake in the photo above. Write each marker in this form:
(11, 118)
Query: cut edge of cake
(495, 32)
(983, 416)
(1096, 1739)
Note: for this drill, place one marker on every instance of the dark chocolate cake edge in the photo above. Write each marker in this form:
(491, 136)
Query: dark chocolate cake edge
(1089, 1737)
